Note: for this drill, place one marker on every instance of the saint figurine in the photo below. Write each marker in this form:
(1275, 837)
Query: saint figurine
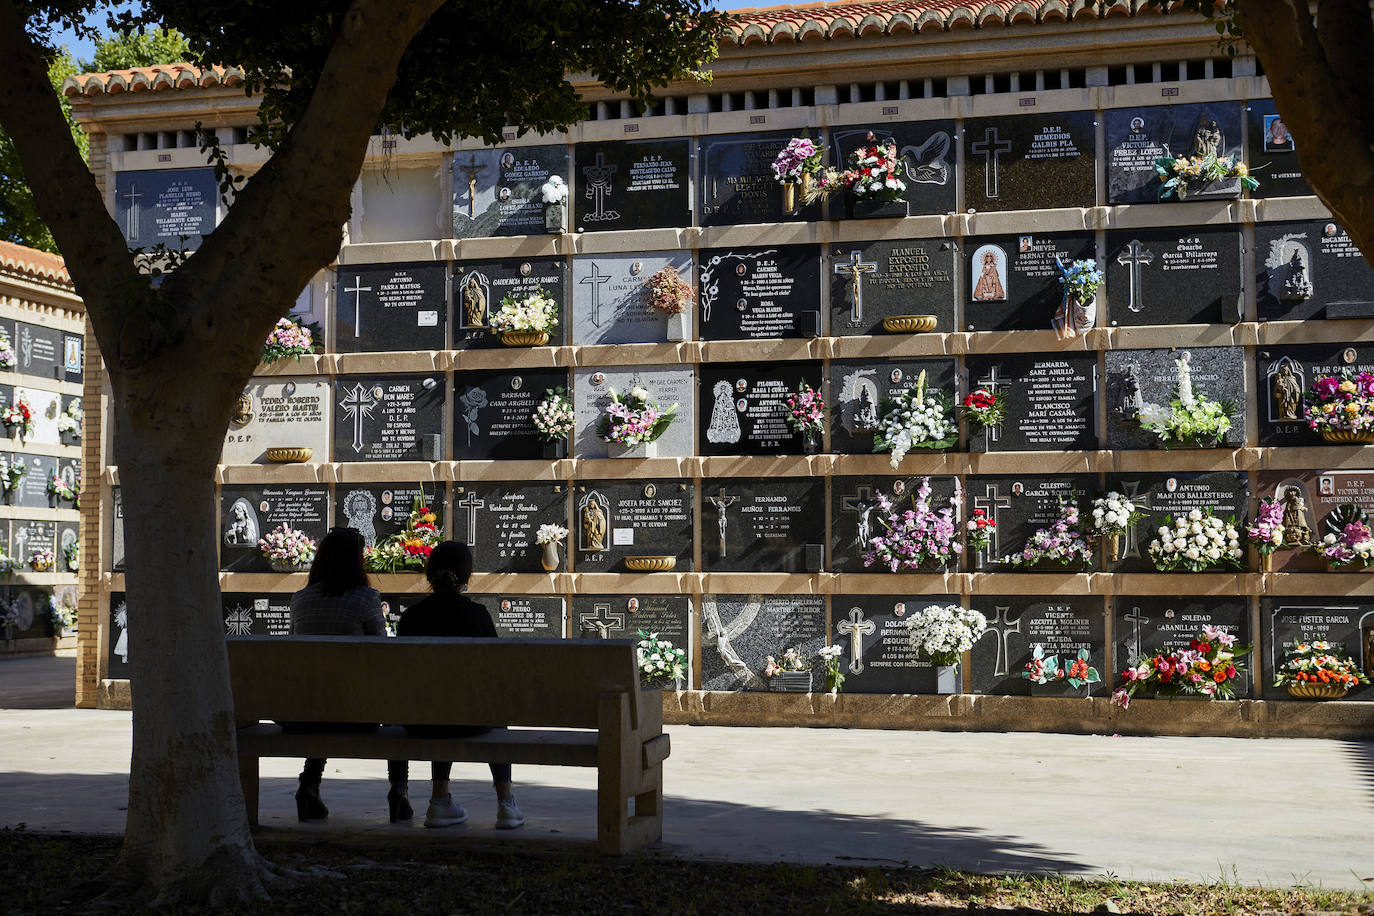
(1131, 400)
(1287, 393)
(865, 414)
(1296, 286)
(474, 305)
(1207, 139)
(593, 527)
(989, 285)
(1295, 530)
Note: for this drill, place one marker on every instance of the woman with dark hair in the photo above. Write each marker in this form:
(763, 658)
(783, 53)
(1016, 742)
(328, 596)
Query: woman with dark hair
(448, 612)
(339, 601)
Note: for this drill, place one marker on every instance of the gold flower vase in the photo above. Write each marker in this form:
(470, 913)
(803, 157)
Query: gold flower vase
(650, 564)
(1348, 436)
(909, 324)
(524, 338)
(1308, 691)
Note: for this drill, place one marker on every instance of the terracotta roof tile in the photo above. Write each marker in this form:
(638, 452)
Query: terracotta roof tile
(862, 18)
(152, 79)
(34, 263)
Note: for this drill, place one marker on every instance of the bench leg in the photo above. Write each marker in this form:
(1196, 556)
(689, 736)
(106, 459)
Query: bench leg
(649, 809)
(248, 779)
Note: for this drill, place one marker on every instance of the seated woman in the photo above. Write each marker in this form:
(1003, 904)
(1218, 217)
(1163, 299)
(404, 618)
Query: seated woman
(448, 612)
(338, 601)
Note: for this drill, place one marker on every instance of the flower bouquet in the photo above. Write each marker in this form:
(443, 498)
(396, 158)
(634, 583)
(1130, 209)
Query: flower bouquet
(11, 473)
(790, 675)
(1266, 534)
(671, 295)
(834, 676)
(292, 337)
(1077, 311)
(71, 554)
(984, 407)
(919, 537)
(661, 664)
(1178, 174)
(525, 322)
(806, 415)
(1312, 672)
(1112, 516)
(411, 548)
(42, 559)
(978, 530)
(61, 616)
(797, 165)
(69, 421)
(287, 549)
(634, 421)
(58, 489)
(554, 192)
(943, 633)
(1354, 546)
(1060, 543)
(554, 421)
(914, 419)
(1341, 408)
(1188, 419)
(549, 537)
(20, 415)
(7, 357)
(1208, 667)
(872, 176)
(1197, 542)
(1077, 673)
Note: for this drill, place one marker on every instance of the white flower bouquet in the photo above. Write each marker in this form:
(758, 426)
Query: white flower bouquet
(913, 418)
(535, 312)
(1187, 419)
(1113, 515)
(943, 633)
(550, 534)
(554, 418)
(554, 191)
(661, 664)
(1197, 542)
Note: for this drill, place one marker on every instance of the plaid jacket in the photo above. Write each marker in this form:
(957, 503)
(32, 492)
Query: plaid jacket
(357, 612)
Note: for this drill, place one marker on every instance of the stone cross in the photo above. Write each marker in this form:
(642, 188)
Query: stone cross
(599, 188)
(856, 628)
(992, 381)
(21, 537)
(472, 168)
(856, 268)
(602, 620)
(721, 501)
(472, 503)
(1135, 258)
(357, 290)
(1131, 489)
(1000, 626)
(595, 281)
(356, 405)
(132, 197)
(990, 502)
(858, 503)
(990, 148)
(1133, 648)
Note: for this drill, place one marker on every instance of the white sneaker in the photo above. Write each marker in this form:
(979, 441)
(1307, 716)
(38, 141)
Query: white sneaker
(508, 815)
(444, 813)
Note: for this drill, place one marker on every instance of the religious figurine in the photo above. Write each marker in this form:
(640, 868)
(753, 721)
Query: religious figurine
(1287, 393)
(1131, 400)
(593, 527)
(1185, 379)
(1073, 317)
(1296, 285)
(989, 285)
(1295, 530)
(724, 425)
(865, 414)
(1207, 138)
(474, 305)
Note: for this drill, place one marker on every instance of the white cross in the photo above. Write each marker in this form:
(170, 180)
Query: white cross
(132, 197)
(990, 148)
(856, 628)
(595, 281)
(472, 503)
(991, 501)
(358, 289)
(1135, 258)
(602, 620)
(1000, 626)
(356, 405)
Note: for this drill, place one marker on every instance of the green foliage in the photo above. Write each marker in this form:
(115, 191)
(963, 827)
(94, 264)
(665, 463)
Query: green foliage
(129, 48)
(19, 220)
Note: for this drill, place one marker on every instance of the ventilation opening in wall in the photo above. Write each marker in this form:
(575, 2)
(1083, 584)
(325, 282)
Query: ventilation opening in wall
(1027, 81)
(1205, 68)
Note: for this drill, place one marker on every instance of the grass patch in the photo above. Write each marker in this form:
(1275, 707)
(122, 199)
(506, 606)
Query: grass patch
(446, 878)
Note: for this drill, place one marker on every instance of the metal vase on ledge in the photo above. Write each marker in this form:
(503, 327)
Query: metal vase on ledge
(549, 559)
(947, 679)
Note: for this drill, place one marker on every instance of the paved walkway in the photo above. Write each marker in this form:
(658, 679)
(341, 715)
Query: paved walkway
(1257, 811)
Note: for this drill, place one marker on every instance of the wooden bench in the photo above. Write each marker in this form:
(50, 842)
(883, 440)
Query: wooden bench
(573, 702)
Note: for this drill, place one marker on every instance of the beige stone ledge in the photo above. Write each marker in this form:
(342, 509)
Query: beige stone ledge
(757, 583)
(761, 350)
(1318, 457)
(852, 231)
(1275, 209)
(1188, 91)
(27, 512)
(637, 468)
(1011, 103)
(890, 345)
(1183, 335)
(507, 583)
(916, 463)
(38, 383)
(391, 252)
(1220, 584)
(557, 471)
(901, 583)
(309, 472)
(1011, 222)
(262, 582)
(677, 582)
(984, 343)
(45, 449)
(755, 235)
(1172, 213)
(647, 354)
(766, 466)
(1349, 330)
(1179, 459)
(318, 364)
(511, 358)
(1046, 583)
(622, 240)
(1354, 584)
(31, 577)
(389, 471)
(513, 246)
(1037, 462)
(644, 129)
(418, 361)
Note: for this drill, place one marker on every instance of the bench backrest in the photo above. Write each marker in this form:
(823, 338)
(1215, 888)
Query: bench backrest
(428, 681)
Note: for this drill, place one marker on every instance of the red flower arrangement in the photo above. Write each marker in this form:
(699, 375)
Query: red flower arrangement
(979, 530)
(984, 407)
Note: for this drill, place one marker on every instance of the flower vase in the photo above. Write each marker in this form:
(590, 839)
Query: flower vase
(947, 680)
(642, 450)
(1112, 551)
(808, 185)
(867, 208)
(811, 442)
(679, 325)
(549, 559)
(1348, 436)
(558, 448)
(1267, 562)
(789, 197)
(790, 682)
(555, 218)
(524, 338)
(286, 566)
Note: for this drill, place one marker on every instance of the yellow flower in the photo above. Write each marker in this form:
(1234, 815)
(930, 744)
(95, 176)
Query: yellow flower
(1347, 387)
(1328, 408)
(1352, 409)
(1242, 169)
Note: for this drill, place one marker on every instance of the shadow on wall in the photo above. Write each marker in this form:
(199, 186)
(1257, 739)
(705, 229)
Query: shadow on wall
(42, 682)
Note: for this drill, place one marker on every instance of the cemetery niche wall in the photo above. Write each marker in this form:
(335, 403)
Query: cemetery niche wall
(660, 383)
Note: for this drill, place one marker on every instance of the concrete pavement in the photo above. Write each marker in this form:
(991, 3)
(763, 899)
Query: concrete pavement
(1275, 811)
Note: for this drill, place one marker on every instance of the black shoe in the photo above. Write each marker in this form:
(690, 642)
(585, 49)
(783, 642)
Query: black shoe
(309, 807)
(398, 803)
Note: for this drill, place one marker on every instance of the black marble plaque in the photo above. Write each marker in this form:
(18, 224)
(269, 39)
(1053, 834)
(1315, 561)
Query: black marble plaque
(69, 472)
(614, 519)
(163, 207)
(1061, 624)
(497, 191)
(878, 656)
(525, 616)
(499, 521)
(118, 638)
(1272, 152)
(1162, 496)
(1180, 275)
(494, 413)
(248, 513)
(755, 293)
(73, 349)
(763, 524)
(1022, 505)
(32, 491)
(739, 632)
(624, 616)
(251, 614)
(479, 287)
(70, 437)
(737, 181)
(1013, 281)
(1138, 136)
(379, 510)
(633, 184)
(870, 281)
(1310, 269)
(30, 535)
(1346, 623)
(854, 513)
(748, 408)
(29, 605)
(1030, 162)
(859, 387)
(39, 351)
(391, 307)
(927, 153)
(5, 536)
(388, 418)
(1139, 377)
(1050, 401)
(1145, 623)
(68, 533)
(1280, 370)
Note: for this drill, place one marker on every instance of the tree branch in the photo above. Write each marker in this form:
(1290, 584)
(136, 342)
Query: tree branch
(1346, 32)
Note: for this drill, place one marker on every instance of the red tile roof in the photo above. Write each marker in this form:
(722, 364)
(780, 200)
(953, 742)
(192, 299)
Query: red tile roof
(152, 79)
(862, 18)
(34, 263)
